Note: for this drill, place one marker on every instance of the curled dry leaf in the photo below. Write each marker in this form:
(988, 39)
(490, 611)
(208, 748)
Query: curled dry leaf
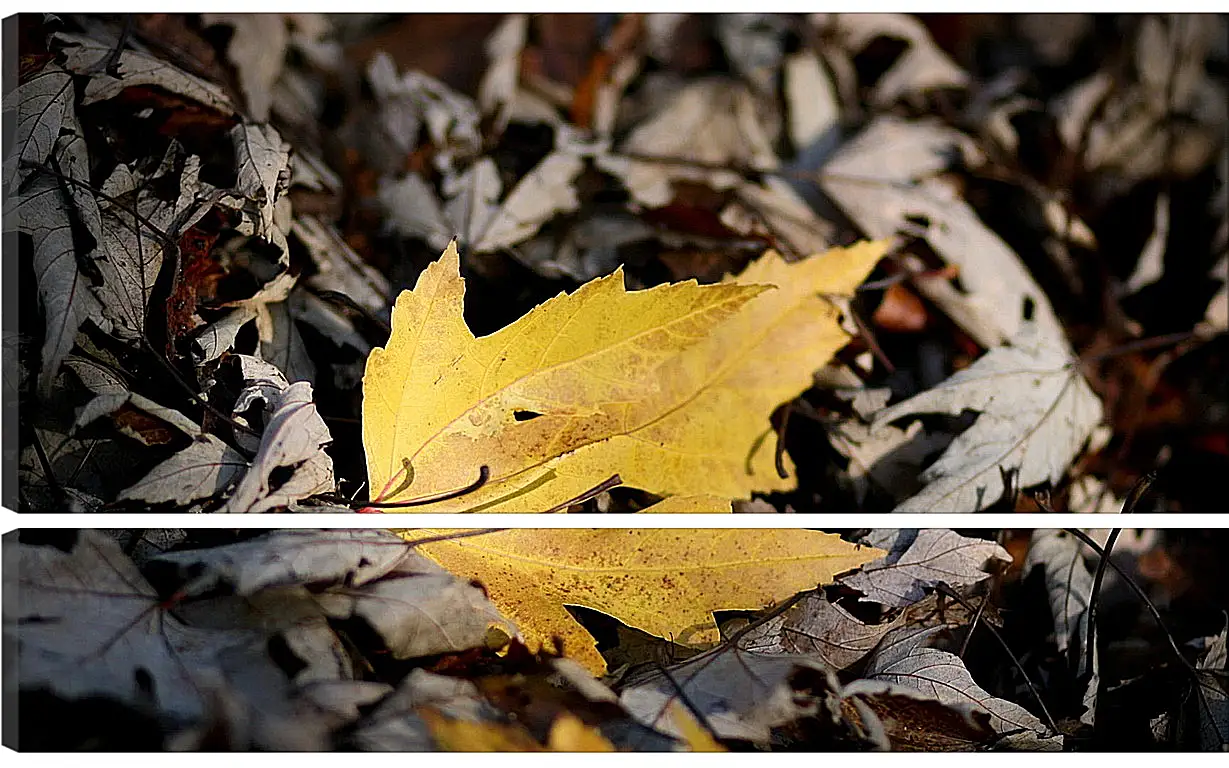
(712, 122)
(818, 628)
(339, 268)
(262, 167)
(887, 456)
(294, 575)
(1068, 584)
(293, 557)
(112, 393)
(666, 582)
(48, 129)
(255, 666)
(395, 726)
(294, 438)
(920, 559)
(741, 695)
(413, 101)
(472, 210)
(902, 660)
(886, 180)
(85, 56)
(922, 67)
(672, 388)
(904, 719)
(219, 336)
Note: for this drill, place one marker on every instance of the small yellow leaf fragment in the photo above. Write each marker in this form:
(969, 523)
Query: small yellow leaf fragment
(666, 582)
(569, 734)
(467, 736)
(695, 735)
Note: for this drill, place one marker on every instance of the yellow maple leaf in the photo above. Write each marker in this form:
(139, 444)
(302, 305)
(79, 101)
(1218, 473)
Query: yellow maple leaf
(689, 504)
(670, 388)
(666, 582)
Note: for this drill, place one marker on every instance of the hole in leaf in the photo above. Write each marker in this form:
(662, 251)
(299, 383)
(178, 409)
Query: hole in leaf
(874, 61)
(1029, 307)
(279, 476)
(285, 658)
(525, 415)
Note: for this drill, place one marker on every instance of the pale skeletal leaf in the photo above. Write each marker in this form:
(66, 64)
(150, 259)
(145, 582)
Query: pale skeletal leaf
(415, 607)
(920, 559)
(41, 104)
(203, 469)
(545, 191)
(258, 50)
(85, 56)
(1035, 412)
(130, 255)
(741, 695)
(816, 627)
(43, 211)
(902, 659)
(90, 625)
(262, 165)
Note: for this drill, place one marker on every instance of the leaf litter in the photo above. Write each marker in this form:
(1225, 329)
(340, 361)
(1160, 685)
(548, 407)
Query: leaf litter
(184, 177)
(161, 254)
(364, 636)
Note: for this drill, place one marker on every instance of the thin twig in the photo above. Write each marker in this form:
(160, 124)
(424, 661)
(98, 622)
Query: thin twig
(944, 589)
(1128, 506)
